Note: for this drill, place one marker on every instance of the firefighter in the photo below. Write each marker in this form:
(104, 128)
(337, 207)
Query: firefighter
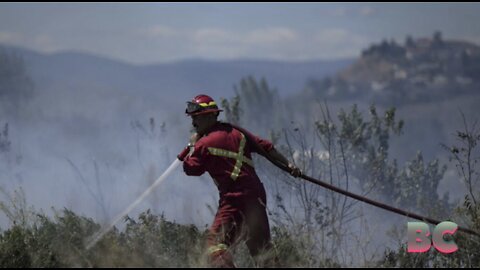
(225, 153)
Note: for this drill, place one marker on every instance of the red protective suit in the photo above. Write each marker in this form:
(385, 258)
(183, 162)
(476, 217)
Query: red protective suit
(225, 154)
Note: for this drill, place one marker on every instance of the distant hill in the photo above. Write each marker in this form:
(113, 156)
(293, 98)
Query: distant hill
(177, 79)
(421, 70)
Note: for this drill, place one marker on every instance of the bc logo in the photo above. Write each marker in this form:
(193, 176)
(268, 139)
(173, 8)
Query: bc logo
(419, 237)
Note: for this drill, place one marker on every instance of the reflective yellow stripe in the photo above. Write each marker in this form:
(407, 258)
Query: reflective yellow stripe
(211, 103)
(224, 153)
(239, 163)
(216, 248)
(239, 157)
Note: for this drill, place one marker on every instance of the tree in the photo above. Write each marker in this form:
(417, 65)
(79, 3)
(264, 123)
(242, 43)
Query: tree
(232, 109)
(259, 103)
(409, 43)
(5, 143)
(367, 150)
(466, 156)
(437, 39)
(16, 87)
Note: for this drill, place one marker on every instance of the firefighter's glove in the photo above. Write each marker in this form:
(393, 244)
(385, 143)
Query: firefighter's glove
(184, 153)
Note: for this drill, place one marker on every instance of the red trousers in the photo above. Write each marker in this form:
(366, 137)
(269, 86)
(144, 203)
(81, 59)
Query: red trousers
(238, 218)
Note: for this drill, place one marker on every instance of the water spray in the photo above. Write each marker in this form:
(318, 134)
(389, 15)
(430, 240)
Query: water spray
(96, 237)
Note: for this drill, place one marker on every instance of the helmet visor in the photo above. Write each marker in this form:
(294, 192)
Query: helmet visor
(193, 107)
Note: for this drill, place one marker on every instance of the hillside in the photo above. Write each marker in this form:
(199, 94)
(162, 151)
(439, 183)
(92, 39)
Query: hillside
(420, 70)
(185, 77)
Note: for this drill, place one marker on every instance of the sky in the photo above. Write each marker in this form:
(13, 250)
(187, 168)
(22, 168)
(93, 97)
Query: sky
(147, 33)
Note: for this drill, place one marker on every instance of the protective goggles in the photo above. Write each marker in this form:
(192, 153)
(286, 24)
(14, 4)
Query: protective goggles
(193, 107)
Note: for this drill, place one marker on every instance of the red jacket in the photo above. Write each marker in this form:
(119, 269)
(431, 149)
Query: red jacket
(225, 154)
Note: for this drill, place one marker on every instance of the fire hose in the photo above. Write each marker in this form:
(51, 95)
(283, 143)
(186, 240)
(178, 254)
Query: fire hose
(285, 168)
(92, 241)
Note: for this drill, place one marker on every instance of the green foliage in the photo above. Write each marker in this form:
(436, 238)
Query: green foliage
(365, 145)
(417, 184)
(15, 208)
(293, 249)
(13, 249)
(464, 154)
(468, 256)
(46, 243)
(150, 241)
(157, 242)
